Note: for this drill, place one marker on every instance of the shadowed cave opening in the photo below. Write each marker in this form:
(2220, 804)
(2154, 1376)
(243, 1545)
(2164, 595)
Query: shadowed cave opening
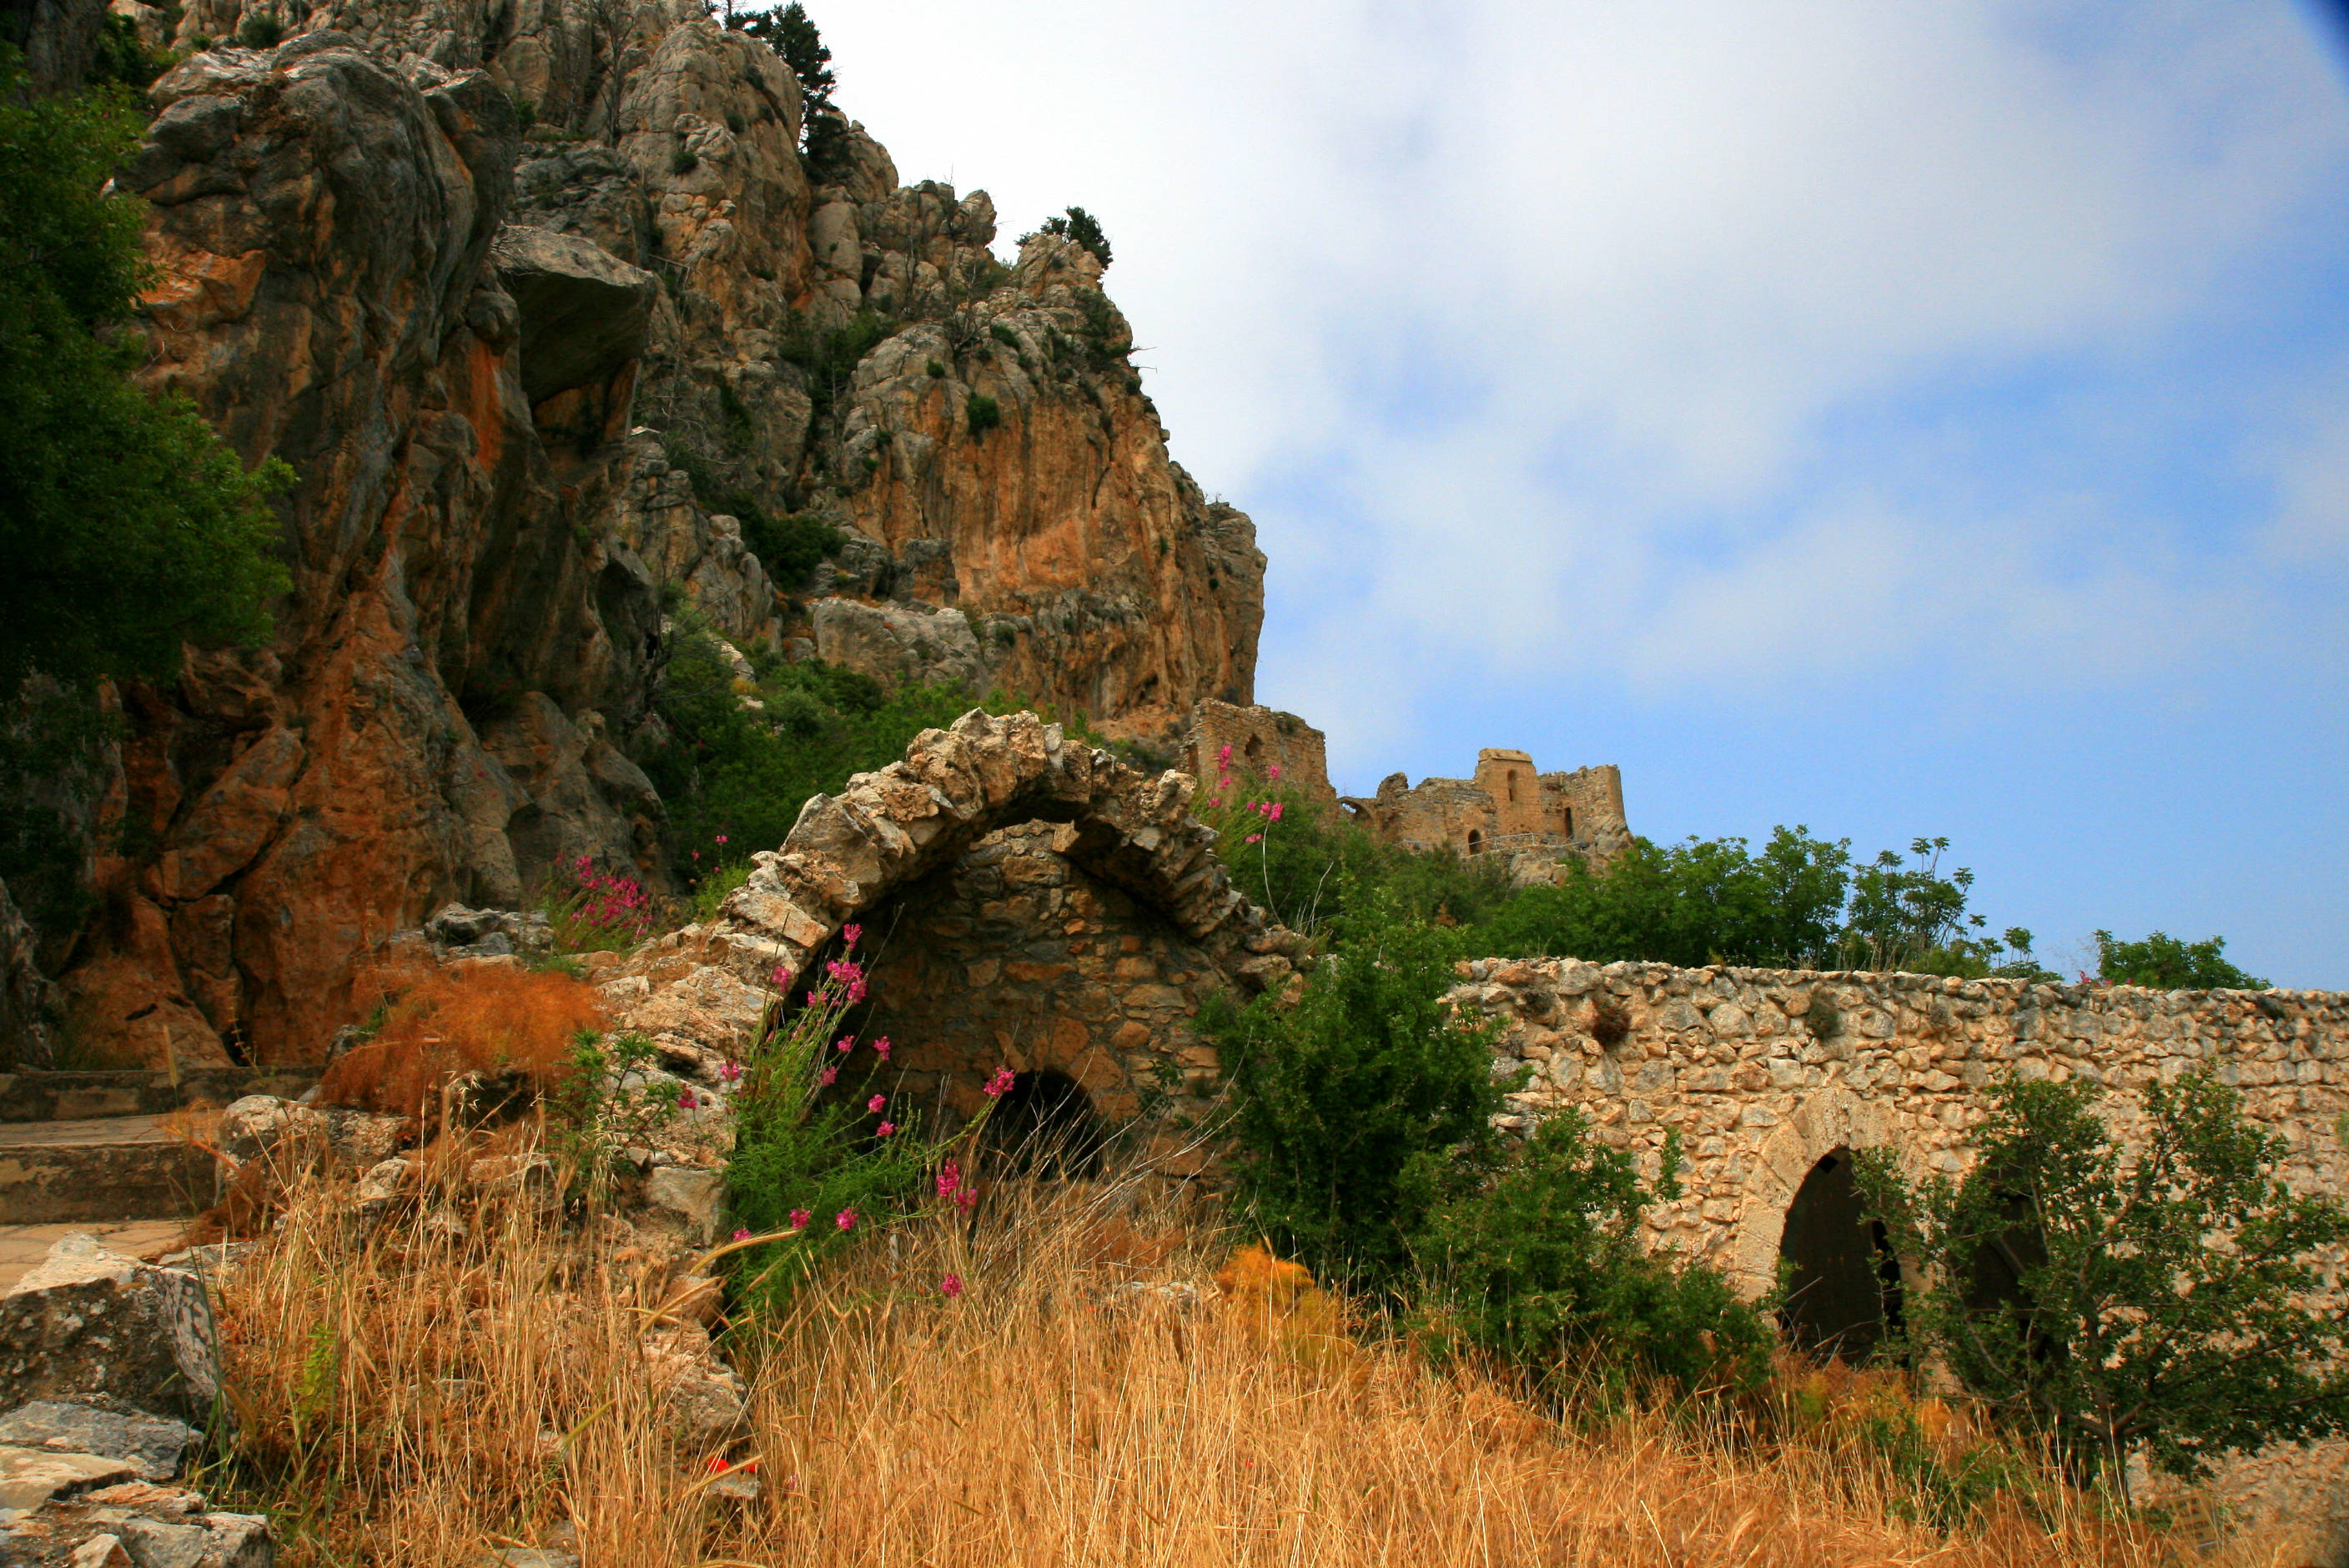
(1843, 1295)
(1045, 1125)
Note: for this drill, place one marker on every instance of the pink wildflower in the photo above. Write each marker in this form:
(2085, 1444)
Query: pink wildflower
(1224, 756)
(845, 1219)
(729, 1072)
(950, 1178)
(876, 1102)
(950, 1286)
(1000, 1084)
(828, 1077)
(967, 1198)
(849, 933)
(685, 1100)
(1276, 810)
(1254, 838)
(722, 838)
(799, 1219)
(1273, 772)
(740, 1235)
(845, 1043)
(886, 1128)
(881, 1047)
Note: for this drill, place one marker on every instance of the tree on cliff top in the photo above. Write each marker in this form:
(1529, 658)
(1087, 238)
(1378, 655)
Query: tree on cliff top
(791, 34)
(1081, 228)
(127, 528)
(2171, 964)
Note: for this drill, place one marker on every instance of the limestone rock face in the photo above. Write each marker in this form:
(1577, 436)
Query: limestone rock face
(28, 1000)
(544, 310)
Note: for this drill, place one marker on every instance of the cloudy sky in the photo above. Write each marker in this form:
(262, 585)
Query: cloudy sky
(1897, 420)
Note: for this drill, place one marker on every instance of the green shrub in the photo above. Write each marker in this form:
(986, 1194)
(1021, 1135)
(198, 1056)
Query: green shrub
(2158, 1293)
(723, 769)
(985, 414)
(261, 30)
(1003, 334)
(790, 547)
(684, 160)
(525, 111)
(1363, 1107)
(120, 58)
(938, 371)
(1084, 229)
(2168, 964)
(1545, 1269)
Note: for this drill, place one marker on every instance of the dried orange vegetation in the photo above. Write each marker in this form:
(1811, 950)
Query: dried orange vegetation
(1087, 1397)
(441, 1022)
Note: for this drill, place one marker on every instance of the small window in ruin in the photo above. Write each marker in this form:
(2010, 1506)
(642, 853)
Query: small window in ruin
(1570, 821)
(1513, 787)
(1476, 842)
(1843, 1295)
(1254, 750)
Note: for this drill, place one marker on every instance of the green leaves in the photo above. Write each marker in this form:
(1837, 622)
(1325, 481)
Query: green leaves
(127, 528)
(2170, 963)
(2152, 1293)
(1363, 1106)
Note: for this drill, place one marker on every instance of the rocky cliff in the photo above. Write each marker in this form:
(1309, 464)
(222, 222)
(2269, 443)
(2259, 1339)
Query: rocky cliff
(540, 301)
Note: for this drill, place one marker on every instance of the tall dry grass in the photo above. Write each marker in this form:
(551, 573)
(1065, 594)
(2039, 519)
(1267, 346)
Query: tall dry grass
(1089, 1397)
(434, 1023)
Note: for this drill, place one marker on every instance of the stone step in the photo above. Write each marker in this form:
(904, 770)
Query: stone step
(81, 1096)
(106, 1169)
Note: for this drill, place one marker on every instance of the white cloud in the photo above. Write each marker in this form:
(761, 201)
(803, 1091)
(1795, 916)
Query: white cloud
(1575, 308)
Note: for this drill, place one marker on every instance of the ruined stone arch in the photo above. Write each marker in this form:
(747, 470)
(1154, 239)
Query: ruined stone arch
(1831, 1118)
(899, 824)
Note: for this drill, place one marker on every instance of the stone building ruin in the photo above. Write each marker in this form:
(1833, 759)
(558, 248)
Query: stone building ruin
(1510, 809)
(1261, 739)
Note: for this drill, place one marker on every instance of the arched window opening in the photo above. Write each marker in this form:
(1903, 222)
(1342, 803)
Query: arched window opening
(1254, 750)
(1570, 821)
(1045, 1125)
(1513, 787)
(1476, 842)
(1843, 1296)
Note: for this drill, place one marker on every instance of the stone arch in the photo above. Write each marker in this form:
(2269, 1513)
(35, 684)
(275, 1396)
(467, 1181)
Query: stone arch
(1832, 1119)
(900, 823)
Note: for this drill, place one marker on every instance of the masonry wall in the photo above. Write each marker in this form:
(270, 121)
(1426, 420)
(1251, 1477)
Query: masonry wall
(1261, 739)
(1726, 1057)
(1014, 957)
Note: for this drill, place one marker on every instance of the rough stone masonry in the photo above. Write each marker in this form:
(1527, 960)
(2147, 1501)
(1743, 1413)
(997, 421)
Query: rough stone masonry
(1770, 1078)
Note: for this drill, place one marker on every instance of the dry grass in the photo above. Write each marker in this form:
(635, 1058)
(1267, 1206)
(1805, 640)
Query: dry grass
(1091, 1397)
(441, 1022)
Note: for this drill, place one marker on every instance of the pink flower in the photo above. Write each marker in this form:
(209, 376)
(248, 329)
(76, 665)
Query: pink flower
(845, 1043)
(722, 838)
(845, 1219)
(1276, 810)
(1224, 756)
(827, 1077)
(888, 1128)
(1273, 772)
(799, 1219)
(876, 1102)
(729, 1072)
(950, 1178)
(950, 1286)
(881, 1047)
(1213, 802)
(1253, 838)
(849, 933)
(967, 1198)
(740, 1235)
(685, 1100)
(1000, 1084)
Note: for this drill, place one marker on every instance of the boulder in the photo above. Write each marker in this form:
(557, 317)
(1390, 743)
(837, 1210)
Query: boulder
(154, 1447)
(898, 642)
(583, 310)
(90, 1326)
(28, 1000)
(134, 1525)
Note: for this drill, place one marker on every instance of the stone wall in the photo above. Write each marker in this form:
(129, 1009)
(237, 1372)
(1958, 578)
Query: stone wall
(1261, 739)
(1765, 1073)
(1537, 819)
(1014, 956)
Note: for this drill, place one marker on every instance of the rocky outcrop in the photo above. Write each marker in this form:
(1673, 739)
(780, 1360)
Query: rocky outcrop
(87, 1326)
(28, 1000)
(545, 312)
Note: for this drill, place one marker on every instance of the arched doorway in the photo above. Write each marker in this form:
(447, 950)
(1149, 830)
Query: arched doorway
(1045, 1124)
(1842, 1294)
(1476, 842)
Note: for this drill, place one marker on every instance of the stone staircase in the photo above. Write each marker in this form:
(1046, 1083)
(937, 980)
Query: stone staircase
(109, 1152)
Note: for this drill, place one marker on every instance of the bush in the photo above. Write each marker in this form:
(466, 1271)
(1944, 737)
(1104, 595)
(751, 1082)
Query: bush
(1363, 1107)
(261, 31)
(724, 769)
(127, 528)
(2168, 963)
(2151, 1294)
(1084, 229)
(985, 414)
(790, 547)
(1547, 1270)
(684, 160)
(812, 1169)
(432, 1023)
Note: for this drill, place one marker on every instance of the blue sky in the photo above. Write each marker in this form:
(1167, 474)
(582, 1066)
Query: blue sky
(1899, 420)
